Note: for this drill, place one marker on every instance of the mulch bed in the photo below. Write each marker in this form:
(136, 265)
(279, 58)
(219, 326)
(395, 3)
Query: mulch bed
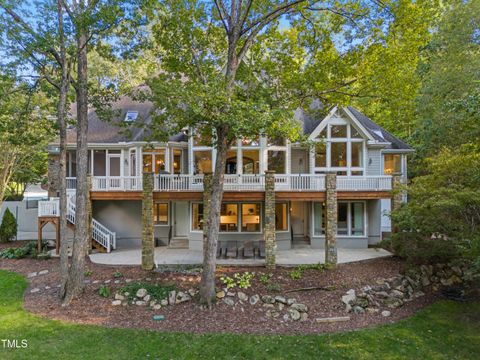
(91, 308)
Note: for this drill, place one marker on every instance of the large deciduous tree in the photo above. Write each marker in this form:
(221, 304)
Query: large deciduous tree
(234, 69)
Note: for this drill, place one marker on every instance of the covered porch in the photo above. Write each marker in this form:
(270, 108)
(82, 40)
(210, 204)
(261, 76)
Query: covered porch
(168, 256)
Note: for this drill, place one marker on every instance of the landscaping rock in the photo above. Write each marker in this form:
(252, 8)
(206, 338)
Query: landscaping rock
(34, 290)
(397, 294)
(220, 294)
(272, 313)
(32, 274)
(295, 314)
(164, 302)
(286, 317)
(280, 306)
(269, 306)
(119, 297)
(349, 299)
(242, 296)
(386, 313)
(332, 319)
(43, 272)
(303, 316)
(267, 299)
(291, 301)
(116, 302)
(358, 310)
(172, 297)
(393, 303)
(146, 298)
(156, 307)
(280, 299)
(192, 292)
(230, 293)
(299, 307)
(182, 297)
(141, 293)
(140, 303)
(229, 301)
(254, 299)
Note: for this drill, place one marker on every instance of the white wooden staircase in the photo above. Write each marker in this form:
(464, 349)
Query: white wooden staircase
(103, 239)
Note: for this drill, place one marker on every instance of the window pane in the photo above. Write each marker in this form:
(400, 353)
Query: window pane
(133, 163)
(323, 134)
(229, 217)
(357, 218)
(197, 216)
(354, 133)
(251, 161)
(250, 217)
(318, 219)
(276, 161)
(114, 163)
(276, 141)
(392, 164)
(338, 154)
(342, 223)
(203, 161)
(231, 164)
(177, 161)
(147, 163)
(281, 217)
(320, 155)
(357, 154)
(99, 163)
(160, 213)
(338, 131)
(159, 161)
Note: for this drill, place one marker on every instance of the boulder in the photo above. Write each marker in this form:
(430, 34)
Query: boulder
(280, 299)
(220, 294)
(141, 293)
(182, 297)
(349, 298)
(294, 314)
(267, 299)
(242, 296)
(229, 301)
(172, 297)
(299, 307)
(254, 299)
(291, 301)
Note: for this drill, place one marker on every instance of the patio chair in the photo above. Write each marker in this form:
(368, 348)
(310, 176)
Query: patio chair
(261, 249)
(232, 250)
(248, 249)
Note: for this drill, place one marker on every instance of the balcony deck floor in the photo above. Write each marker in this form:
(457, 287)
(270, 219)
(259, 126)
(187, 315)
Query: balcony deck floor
(166, 256)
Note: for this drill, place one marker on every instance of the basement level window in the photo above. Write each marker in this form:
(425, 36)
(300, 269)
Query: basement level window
(131, 116)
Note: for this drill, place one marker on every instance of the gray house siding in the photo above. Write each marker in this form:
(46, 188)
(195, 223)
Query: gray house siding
(374, 162)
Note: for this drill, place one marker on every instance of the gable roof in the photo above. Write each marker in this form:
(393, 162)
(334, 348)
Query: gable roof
(114, 130)
(311, 124)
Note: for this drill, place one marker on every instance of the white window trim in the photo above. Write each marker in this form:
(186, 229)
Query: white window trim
(239, 218)
(349, 224)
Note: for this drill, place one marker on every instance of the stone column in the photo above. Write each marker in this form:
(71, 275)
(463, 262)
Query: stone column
(148, 245)
(331, 216)
(89, 214)
(207, 199)
(269, 230)
(397, 196)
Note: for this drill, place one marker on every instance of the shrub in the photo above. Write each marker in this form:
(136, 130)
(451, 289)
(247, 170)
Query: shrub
(104, 291)
(243, 281)
(20, 252)
(265, 278)
(157, 292)
(8, 228)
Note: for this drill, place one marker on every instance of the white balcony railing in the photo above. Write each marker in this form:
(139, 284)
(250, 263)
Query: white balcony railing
(71, 183)
(49, 208)
(244, 182)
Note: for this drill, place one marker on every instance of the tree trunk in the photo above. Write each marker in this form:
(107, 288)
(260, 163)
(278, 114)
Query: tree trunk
(207, 288)
(80, 242)
(61, 121)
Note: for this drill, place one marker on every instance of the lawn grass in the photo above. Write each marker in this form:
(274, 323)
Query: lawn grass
(446, 330)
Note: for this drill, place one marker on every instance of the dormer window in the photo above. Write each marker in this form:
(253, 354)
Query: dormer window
(131, 116)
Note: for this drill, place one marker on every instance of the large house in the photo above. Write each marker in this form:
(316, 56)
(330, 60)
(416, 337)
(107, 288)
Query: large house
(363, 155)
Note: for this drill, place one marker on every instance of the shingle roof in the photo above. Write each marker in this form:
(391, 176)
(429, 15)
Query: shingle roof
(101, 131)
(309, 123)
(379, 133)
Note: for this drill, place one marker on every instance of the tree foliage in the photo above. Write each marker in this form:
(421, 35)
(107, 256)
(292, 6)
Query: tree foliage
(443, 211)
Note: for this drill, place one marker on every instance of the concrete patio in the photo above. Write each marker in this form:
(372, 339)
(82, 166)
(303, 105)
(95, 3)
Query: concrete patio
(166, 256)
